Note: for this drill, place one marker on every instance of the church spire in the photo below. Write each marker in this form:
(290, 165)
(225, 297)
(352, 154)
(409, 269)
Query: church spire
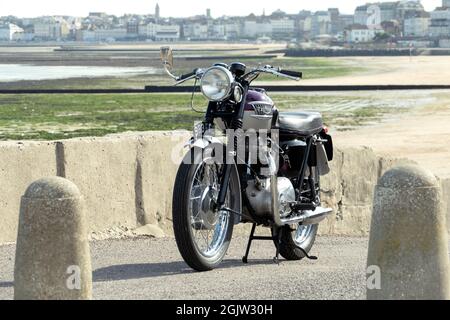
(157, 12)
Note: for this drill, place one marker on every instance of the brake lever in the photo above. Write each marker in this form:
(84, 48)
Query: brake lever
(276, 72)
(198, 75)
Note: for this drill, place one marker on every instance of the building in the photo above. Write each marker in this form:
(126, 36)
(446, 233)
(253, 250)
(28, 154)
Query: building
(384, 11)
(392, 27)
(159, 32)
(416, 26)
(195, 31)
(303, 24)
(283, 28)
(255, 29)
(440, 23)
(446, 3)
(132, 28)
(408, 9)
(104, 35)
(167, 33)
(147, 31)
(320, 23)
(347, 20)
(52, 29)
(359, 33)
(216, 31)
(232, 30)
(10, 32)
(336, 25)
(101, 15)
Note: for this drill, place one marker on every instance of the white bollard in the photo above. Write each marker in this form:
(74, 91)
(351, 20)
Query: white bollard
(52, 255)
(408, 247)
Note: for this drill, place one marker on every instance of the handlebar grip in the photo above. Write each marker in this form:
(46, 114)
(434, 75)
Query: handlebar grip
(294, 74)
(187, 75)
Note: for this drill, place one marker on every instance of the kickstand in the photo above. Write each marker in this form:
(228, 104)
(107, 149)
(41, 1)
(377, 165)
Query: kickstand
(276, 238)
(250, 239)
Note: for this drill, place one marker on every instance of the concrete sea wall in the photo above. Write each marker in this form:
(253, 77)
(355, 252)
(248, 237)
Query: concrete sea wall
(127, 181)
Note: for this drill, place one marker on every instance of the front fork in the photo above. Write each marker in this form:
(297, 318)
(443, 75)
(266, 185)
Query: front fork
(236, 124)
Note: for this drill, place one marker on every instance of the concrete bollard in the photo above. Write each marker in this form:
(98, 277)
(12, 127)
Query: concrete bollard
(52, 254)
(408, 246)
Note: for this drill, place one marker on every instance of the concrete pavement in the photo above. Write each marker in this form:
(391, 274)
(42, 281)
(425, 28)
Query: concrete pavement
(145, 268)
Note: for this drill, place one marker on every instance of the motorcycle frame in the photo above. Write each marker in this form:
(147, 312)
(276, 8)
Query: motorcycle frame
(236, 121)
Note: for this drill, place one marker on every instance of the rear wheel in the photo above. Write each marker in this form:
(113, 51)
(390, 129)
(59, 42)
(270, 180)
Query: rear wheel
(202, 232)
(295, 236)
(292, 238)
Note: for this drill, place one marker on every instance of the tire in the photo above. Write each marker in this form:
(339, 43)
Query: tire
(288, 242)
(288, 245)
(182, 223)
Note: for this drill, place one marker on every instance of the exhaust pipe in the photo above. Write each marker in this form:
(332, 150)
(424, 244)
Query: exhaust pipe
(314, 217)
(308, 217)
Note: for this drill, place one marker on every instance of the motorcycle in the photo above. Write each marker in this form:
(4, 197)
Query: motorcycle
(248, 163)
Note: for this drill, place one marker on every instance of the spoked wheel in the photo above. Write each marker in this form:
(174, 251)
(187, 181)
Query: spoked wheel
(293, 237)
(202, 232)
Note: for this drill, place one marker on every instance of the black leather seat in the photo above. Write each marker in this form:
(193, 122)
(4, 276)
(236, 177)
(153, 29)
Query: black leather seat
(305, 123)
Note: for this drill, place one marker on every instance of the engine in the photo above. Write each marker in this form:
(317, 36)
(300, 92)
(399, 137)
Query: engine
(258, 194)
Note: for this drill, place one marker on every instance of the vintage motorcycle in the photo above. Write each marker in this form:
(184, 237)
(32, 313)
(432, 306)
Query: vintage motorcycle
(248, 163)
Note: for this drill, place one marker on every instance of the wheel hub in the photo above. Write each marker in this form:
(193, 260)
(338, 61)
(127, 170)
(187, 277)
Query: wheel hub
(208, 213)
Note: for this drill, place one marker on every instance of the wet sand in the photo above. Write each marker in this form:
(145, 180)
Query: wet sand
(420, 70)
(422, 135)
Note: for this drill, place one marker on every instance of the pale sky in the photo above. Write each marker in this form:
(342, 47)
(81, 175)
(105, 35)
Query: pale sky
(176, 8)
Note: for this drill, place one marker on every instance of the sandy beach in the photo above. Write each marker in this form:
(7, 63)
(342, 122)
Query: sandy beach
(418, 70)
(422, 135)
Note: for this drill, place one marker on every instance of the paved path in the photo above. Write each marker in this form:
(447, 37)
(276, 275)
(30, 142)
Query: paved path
(153, 269)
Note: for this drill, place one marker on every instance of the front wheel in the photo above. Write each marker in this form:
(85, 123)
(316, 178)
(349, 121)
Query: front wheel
(292, 238)
(203, 233)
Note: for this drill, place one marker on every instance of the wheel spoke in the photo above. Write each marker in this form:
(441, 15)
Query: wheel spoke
(208, 237)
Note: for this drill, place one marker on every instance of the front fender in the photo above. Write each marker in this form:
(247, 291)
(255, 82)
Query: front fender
(203, 142)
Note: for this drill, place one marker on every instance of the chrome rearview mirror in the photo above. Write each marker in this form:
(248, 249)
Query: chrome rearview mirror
(167, 60)
(167, 57)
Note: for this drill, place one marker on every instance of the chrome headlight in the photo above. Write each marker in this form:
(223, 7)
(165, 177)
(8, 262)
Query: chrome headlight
(216, 83)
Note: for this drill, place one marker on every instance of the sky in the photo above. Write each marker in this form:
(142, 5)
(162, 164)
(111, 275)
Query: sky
(176, 8)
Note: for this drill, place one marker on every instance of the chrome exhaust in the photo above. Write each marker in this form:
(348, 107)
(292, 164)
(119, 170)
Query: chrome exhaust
(315, 217)
(306, 218)
(309, 217)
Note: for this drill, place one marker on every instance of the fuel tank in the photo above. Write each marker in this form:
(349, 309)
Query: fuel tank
(259, 111)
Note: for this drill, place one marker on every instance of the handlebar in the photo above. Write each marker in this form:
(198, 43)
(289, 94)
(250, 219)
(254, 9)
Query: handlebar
(187, 75)
(294, 74)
